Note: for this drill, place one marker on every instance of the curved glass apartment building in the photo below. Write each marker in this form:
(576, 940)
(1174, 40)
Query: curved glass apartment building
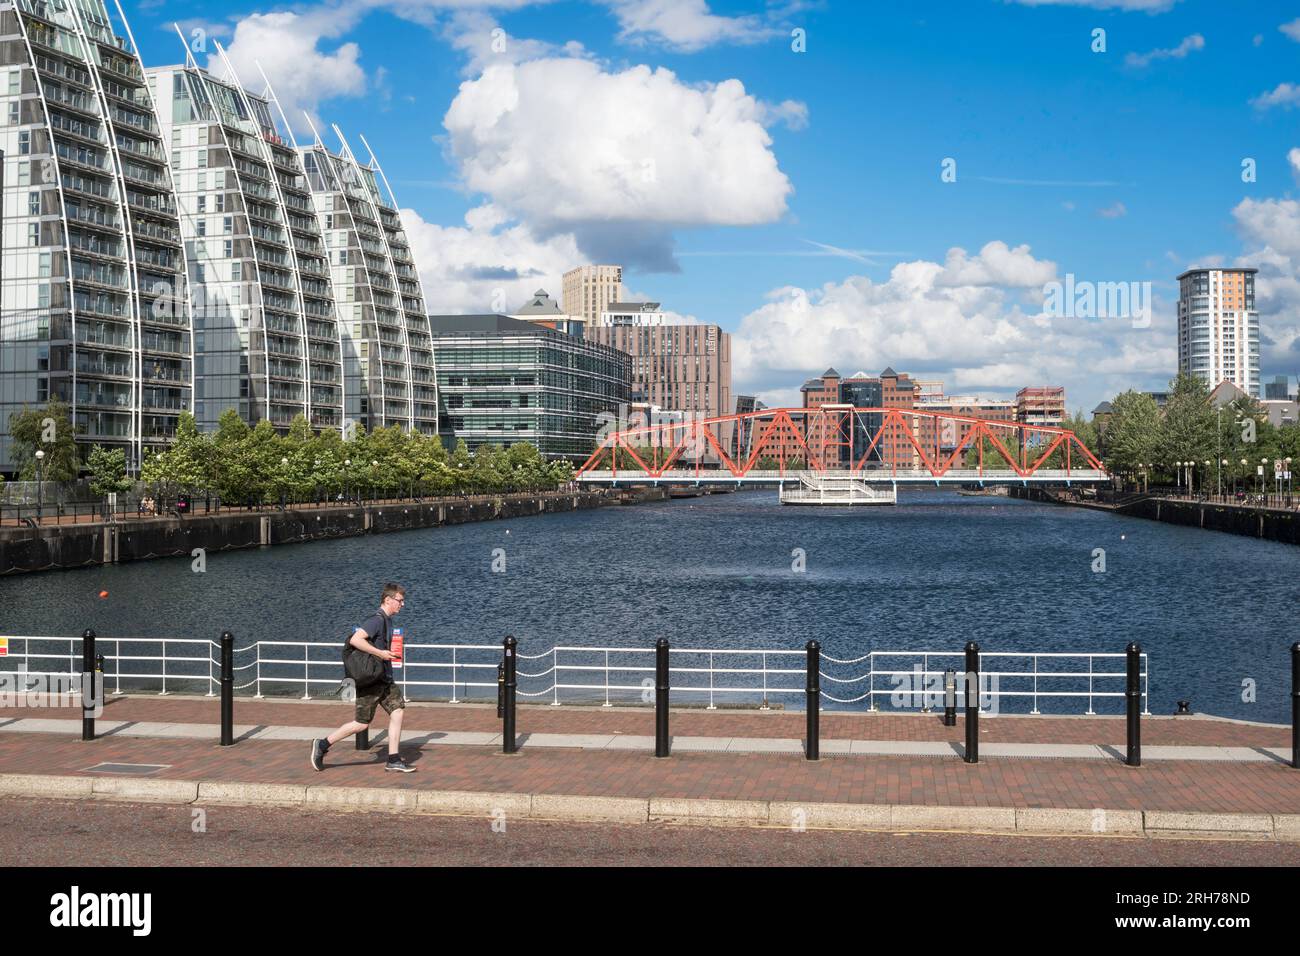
(388, 364)
(267, 341)
(95, 309)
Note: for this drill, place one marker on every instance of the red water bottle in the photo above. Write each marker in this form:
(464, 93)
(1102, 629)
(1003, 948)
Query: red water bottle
(396, 647)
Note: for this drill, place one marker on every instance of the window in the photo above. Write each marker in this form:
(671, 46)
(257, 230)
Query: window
(228, 225)
(202, 204)
(237, 271)
(219, 202)
(203, 159)
(228, 249)
(15, 82)
(25, 143)
(202, 227)
(33, 234)
(33, 204)
(14, 109)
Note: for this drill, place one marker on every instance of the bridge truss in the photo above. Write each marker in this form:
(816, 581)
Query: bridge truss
(877, 444)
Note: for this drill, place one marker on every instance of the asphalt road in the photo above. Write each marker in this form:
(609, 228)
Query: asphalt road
(93, 834)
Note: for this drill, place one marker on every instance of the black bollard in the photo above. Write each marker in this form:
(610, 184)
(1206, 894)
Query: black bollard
(950, 698)
(814, 691)
(1133, 698)
(508, 743)
(227, 689)
(1295, 705)
(972, 703)
(662, 748)
(87, 674)
(501, 690)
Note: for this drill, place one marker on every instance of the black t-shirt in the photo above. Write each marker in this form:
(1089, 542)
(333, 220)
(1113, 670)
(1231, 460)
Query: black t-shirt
(378, 628)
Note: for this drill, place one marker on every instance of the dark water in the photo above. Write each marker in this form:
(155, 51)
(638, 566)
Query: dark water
(1212, 610)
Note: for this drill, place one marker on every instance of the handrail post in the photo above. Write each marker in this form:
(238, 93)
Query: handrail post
(662, 746)
(763, 705)
(607, 703)
(508, 742)
(1090, 710)
(871, 680)
(163, 692)
(950, 698)
(306, 672)
(1035, 710)
(711, 705)
(209, 693)
(87, 673)
(972, 754)
(1133, 699)
(453, 677)
(227, 689)
(814, 697)
(258, 673)
(555, 677)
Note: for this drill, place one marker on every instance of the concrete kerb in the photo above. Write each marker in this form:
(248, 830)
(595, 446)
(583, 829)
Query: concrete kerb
(796, 815)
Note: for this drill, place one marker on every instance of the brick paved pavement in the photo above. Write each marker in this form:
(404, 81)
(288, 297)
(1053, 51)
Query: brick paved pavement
(571, 719)
(1207, 786)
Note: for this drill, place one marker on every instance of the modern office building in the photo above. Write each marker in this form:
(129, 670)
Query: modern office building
(388, 362)
(588, 289)
(678, 367)
(1278, 390)
(95, 309)
(502, 381)
(632, 313)
(267, 341)
(1218, 327)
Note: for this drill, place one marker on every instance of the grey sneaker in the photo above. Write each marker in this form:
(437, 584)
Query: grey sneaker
(398, 764)
(318, 748)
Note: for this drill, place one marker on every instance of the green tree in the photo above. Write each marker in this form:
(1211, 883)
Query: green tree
(108, 471)
(1133, 435)
(49, 430)
(1187, 430)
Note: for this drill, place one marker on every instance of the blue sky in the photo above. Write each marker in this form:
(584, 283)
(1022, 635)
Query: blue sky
(727, 202)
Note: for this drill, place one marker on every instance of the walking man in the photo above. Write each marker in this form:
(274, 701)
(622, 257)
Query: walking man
(372, 637)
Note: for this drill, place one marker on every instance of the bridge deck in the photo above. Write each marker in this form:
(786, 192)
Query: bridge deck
(918, 476)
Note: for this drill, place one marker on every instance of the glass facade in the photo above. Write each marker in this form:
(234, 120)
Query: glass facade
(266, 336)
(96, 308)
(502, 381)
(388, 359)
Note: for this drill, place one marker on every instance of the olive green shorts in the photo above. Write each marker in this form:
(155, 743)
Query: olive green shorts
(382, 695)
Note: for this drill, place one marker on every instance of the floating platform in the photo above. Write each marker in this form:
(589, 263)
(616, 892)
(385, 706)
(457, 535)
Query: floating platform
(838, 491)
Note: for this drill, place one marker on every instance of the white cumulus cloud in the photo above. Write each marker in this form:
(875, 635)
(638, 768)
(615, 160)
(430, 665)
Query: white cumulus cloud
(685, 25)
(964, 321)
(288, 47)
(620, 159)
(490, 264)
(1292, 29)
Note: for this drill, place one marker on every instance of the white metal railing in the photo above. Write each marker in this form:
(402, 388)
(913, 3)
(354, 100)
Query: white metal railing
(927, 682)
(914, 679)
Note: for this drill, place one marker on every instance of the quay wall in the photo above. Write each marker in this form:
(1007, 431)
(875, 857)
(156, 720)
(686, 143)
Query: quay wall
(87, 544)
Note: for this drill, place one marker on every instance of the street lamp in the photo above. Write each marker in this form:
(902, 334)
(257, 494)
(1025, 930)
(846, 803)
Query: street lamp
(374, 472)
(1287, 463)
(1244, 465)
(40, 485)
(1263, 462)
(284, 469)
(347, 474)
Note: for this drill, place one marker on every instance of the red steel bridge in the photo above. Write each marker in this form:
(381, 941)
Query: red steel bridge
(873, 445)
